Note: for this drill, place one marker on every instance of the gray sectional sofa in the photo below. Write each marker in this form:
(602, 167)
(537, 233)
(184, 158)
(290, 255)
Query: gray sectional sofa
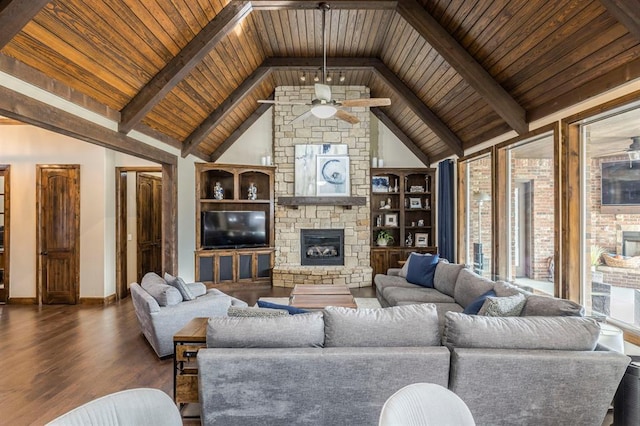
(162, 311)
(338, 366)
(456, 287)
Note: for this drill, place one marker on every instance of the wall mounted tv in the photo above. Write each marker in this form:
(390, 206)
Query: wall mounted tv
(233, 229)
(621, 183)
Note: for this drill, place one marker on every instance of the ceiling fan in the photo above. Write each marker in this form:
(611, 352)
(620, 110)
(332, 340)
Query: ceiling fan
(323, 106)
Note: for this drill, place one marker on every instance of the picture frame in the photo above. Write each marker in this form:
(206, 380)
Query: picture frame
(332, 176)
(415, 203)
(305, 172)
(391, 219)
(422, 240)
(379, 184)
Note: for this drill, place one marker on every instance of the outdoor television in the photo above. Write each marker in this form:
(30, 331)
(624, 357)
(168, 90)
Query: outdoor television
(621, 183)
(233, 229)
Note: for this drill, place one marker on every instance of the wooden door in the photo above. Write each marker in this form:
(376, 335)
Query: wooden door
(4, 233)
(58, 233)
(149, 226)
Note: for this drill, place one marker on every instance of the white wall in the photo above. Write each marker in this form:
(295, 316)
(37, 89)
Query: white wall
(255, 143)
(23, 147)
(393, 151)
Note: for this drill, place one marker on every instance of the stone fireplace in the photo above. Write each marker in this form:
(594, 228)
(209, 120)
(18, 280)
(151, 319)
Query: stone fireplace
(289, 221)
(320, 247)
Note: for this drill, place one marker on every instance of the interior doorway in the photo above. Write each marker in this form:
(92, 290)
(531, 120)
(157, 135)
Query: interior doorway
(138, 225)
(58, 233)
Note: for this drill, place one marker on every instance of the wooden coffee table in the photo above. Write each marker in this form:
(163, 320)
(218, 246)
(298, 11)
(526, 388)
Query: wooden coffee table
(308, 296)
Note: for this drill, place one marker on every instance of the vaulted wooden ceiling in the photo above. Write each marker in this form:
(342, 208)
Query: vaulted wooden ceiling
(458, 72)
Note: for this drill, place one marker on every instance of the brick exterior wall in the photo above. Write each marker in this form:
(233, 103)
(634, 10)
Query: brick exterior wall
(287, 271)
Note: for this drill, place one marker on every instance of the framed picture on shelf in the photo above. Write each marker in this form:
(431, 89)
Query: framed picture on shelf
(422, 240)
(380, 184)
(391, 219)
(332, 177)
(415, 203)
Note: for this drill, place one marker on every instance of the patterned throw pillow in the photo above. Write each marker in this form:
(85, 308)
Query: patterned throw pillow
(182, 287)
(238, 311)
(503, 306)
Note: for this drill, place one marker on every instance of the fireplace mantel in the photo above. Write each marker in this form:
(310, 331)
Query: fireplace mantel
(347, 202)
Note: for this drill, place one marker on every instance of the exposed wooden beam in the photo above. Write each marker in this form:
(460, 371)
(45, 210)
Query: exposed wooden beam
(406, 140)
(224, 146)
(216, 117)
(627, 12)
(31, 111)
(464, 64)
(14, 15)
(313, 63)
(182, 64)
(420, 109)
(336, 4)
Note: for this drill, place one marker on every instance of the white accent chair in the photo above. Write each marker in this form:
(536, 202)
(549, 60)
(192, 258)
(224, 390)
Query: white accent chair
(424, 404)
(132, 407)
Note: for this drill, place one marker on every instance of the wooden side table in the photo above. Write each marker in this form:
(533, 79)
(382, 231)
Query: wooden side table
(308, 296)
(186, 344)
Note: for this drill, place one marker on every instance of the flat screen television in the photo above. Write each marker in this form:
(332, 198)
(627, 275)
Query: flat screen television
(620, 183)
(233, 229)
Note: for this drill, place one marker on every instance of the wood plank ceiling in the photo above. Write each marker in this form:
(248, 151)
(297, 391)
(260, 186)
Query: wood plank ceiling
(458, 72)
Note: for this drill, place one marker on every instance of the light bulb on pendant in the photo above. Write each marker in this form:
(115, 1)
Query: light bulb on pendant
(342, 78)
(303, 77)
(329, 78)
(316, 78)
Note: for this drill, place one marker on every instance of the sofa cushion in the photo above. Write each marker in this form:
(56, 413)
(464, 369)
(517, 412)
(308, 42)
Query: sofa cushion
(182, 287)
(509, 306)
(422, 267)
(445, 277)
(417, 294)
(246, 311)
(290, 331)
(553, 333)
(469, 286)
(547, 306)
(474, 307)
(411, 325)
(383, 281)
(158, 288)
(290, 309)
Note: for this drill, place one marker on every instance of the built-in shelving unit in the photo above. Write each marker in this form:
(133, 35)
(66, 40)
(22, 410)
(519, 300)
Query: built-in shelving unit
(226, 265)
(401, 204)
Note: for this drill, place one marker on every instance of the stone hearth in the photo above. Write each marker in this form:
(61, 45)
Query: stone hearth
(288, 271)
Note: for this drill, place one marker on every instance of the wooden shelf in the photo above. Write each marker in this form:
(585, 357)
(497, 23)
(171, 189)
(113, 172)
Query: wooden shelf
(347, 202)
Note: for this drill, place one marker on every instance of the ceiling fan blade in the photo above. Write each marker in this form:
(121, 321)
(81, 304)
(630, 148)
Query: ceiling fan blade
(345, 116)
(371, 102)
(268, 101)
(301, 117)
(323, 92)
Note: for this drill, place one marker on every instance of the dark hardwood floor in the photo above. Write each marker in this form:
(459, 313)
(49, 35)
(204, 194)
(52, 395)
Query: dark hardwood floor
(55, 358)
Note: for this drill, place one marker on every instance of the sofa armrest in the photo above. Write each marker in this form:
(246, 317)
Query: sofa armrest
(394, 272)
(198, 289)
(234, 301)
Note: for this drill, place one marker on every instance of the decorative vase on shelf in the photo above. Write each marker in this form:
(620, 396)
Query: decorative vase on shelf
(252, 192)
(218, 191)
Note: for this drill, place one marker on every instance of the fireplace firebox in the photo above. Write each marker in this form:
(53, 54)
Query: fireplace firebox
(631, 243)
(320, 247)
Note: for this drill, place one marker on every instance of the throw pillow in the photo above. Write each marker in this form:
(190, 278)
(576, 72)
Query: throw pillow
(422, 269)
(158, 288)
(245, 311)
(474, 307)
(182, 287)
(510, 306)
(291, 309)
(551, 306)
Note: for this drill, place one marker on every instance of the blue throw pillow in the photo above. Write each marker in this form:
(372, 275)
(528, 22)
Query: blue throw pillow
(291, 309)
(421, 269)
(474, 307)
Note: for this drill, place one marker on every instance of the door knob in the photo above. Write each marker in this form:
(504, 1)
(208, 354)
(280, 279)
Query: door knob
(44, 253)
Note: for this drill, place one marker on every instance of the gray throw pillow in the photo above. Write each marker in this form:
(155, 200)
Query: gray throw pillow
(546, 306)
(182, 287)
(409, 325)
(290, 331)
(445, 277)
(551, 333)
(510, 306)
(158, 288)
